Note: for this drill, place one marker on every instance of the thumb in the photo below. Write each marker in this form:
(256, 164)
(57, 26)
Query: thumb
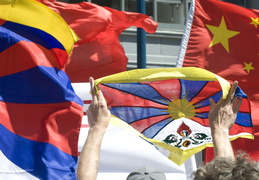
(212, 102)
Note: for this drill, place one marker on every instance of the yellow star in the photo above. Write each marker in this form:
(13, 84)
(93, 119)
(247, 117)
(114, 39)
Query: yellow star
(254, 21)
(221, 34)
(248, 67)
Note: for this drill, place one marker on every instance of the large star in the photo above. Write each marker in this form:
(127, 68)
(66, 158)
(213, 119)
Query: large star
(254, 22)
(248, 67)
(221, 34)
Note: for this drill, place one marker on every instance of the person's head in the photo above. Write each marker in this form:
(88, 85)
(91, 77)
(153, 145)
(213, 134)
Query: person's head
(146, 173)
(242, 168)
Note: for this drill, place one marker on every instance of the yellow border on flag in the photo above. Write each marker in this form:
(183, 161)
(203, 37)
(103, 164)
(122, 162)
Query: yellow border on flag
(34, 14)
(187, 73)
(177, 155)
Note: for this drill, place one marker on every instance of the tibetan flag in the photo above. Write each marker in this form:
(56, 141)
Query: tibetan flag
(169, 107)
(40, 115)
(121, 144)
(99, 52)
(223, 38)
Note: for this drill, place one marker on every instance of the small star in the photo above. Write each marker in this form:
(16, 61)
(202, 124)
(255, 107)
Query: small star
(248, 67)
(254, 22)
(221, 34)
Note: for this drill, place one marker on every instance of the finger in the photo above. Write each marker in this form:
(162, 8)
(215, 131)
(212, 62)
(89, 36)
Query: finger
(100, 96)
(232, 91)
(212, 102)
(238, 105)
(221, 101)
(94, 97)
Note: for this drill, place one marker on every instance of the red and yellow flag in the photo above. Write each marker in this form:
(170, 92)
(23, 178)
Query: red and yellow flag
(223, 38)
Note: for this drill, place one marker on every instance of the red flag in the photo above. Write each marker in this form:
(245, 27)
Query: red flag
(223, 38)
(99, 52)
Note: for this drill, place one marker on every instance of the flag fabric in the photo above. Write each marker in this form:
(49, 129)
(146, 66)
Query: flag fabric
(169, 107)
(223, 38)
(119, 146)
(99, 52)
(40, 114)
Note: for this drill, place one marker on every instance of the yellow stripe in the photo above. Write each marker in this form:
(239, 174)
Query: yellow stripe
(188, 73)
(34, 14)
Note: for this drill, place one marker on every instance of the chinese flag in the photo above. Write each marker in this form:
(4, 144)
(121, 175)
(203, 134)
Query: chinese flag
(224, 39)
(99, 52)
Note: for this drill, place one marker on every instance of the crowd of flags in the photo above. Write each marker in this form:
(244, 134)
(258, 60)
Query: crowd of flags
(46, 45)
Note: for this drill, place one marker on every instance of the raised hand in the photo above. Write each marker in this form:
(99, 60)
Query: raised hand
(223, 114)
(98, 112)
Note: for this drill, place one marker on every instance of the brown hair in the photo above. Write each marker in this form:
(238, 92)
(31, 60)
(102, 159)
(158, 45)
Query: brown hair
(242, 168)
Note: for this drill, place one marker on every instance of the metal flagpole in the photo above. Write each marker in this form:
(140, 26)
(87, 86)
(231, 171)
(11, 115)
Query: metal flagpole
(141, 38)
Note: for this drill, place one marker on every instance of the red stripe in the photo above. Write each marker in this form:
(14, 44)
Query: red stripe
(169, 89)
(2, 22)
(236, 129)
(143, 124)
(25, 55)
(57, 124)
(87, 101)
(211, 88)
(132, 100)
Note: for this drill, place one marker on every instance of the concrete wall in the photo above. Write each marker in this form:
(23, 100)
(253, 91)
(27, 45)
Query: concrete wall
(161, 48)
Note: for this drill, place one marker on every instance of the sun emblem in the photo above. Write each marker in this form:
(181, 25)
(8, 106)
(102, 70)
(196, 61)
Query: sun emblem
(179, 108)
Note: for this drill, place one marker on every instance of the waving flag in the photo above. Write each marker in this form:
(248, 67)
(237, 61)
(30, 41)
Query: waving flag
(99, 52)
(40, 114)
(169, 107)
(120, 143)
(223, 38)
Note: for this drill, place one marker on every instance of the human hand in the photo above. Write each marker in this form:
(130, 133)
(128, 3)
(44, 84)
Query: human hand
(223, 114)
(98, 112)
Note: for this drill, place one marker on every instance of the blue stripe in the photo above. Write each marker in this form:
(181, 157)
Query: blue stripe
(42, 160)
(9, 38)
(216, 97)
(189, 89)
(38, 85)
(140, 90)
(202, 115)
(240, 93)
(244, 119)
(153, 130)
(34, 35)
(132, 114)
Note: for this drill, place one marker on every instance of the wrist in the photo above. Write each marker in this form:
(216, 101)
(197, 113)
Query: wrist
(219, 130)
(97, 129)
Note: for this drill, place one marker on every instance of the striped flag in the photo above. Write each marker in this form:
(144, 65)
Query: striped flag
(123, 151)
(169, 107)
(40, 114)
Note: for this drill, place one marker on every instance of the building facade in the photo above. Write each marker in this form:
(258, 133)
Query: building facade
(163, 46)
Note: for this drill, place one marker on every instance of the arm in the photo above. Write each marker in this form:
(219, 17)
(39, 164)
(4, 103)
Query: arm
(222, 116)
(98, 119)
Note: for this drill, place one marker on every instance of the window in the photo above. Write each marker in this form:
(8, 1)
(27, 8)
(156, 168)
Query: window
(245, 3)
(169, 13)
